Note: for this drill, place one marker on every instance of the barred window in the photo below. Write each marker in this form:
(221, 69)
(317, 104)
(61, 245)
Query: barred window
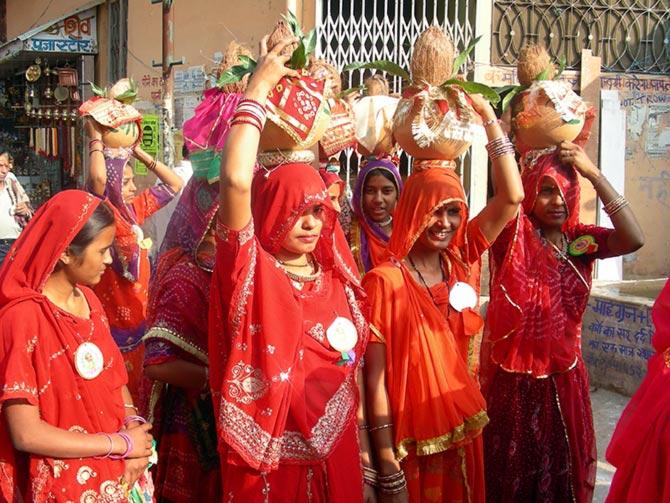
(629, 35)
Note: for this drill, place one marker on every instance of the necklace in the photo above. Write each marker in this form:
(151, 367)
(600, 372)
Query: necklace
(560, 252)
(303, 278)
(423, 281)
(288, 264)
(385, 222)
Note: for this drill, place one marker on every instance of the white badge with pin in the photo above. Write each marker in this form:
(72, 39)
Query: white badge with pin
(462, 296)
(342, 335)
(88, 360)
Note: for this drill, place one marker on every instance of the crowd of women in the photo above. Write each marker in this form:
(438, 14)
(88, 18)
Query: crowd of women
(267, 370)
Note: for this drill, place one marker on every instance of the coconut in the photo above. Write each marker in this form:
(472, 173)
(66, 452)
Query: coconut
(533, 60)
(231, 58)
(281, 32)
(376, 85)
(432, 58)
(320, 69)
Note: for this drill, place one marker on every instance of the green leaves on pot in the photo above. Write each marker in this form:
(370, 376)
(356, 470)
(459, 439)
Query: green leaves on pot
(463, 56)
(236, 73)
(98, 91)
(351, 90)
(306, 43)
(383, 65)
(129, 95)
(475, 88)
(544, 74)
(306, 46)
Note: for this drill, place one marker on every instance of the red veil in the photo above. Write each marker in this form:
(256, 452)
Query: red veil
(261, 365)
(524, 337)
(639, 446)
(37, 344)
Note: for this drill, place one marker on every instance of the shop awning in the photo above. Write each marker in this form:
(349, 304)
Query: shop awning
(74, 33)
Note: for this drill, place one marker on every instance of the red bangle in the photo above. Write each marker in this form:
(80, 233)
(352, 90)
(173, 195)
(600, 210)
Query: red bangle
(94, 140)
(240, 120)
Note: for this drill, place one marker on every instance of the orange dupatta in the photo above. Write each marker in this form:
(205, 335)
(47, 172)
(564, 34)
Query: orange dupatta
(435, 402)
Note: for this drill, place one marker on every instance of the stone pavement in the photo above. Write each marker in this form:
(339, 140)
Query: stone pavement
(607, 407)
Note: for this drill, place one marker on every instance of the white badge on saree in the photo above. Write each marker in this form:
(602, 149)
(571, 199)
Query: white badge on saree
(88, 360)
(342, 335)
(462, 296)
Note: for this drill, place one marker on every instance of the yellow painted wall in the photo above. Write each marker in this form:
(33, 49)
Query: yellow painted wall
(24, 15)
(202, 27)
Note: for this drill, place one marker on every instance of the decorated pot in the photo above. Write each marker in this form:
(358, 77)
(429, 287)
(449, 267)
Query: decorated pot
(373, 117)
(435, 122)
(126, 135)
(547, 113)
(297, 115)
(341, 132)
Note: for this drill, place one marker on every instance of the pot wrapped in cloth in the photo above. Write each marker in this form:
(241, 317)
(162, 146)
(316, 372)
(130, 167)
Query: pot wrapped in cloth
(547, 113)
(118, 121)
(434, 120)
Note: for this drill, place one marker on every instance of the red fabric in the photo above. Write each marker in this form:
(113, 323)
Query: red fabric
(37, 363)
(341, 243)
(125, 299)
(538, 300)
(435, 401)
(532, 364)
(639, 446)
(336, 479)
(279, 395)
(540, 444)
(297, 106)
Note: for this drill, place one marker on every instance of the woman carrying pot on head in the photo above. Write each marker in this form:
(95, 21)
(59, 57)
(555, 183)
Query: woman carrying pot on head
(425, 410)
(69, 430)
(286, 332)
(123, 287)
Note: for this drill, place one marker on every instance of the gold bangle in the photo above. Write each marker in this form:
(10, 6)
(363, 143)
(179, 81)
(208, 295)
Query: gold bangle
(380, 427)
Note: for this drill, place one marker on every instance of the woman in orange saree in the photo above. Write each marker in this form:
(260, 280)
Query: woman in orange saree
(426, 412)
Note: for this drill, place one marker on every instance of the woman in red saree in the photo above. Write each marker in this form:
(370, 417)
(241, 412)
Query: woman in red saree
(639, 446)
(426, 412)
(540, 443)
(123, 287)
(63, 396)
(180, 405)
(376, 193)
(282, 299)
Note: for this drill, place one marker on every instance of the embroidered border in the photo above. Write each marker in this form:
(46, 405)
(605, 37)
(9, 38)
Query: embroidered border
(242, 430)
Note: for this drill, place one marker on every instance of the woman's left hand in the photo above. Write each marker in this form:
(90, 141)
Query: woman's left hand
(574, 155)
(369, 494)
(134, 469)
(483, 107)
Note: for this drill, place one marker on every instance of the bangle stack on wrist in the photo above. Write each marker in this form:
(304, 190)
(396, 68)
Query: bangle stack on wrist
(249, 112)
(370, 476)
(129, 447)
(616, 205)
(392, 484)
(499, 147)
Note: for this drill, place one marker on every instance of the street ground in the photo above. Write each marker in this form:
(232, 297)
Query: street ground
(607, 407)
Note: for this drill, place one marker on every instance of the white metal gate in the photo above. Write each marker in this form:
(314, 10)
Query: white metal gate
(367, 30)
